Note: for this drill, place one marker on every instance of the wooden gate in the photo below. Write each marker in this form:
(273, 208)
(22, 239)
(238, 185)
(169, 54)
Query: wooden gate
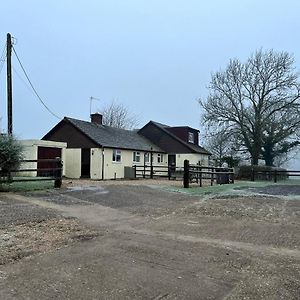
(45, 160)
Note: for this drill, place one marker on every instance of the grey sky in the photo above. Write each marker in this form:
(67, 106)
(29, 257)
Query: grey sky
(155, 57)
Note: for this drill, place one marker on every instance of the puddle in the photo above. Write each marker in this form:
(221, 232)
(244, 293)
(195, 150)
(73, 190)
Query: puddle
(97, 189)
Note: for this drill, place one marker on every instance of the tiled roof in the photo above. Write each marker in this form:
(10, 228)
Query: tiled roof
(111, 137)
(194, 148)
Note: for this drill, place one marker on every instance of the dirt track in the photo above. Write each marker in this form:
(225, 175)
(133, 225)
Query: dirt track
(152, 244)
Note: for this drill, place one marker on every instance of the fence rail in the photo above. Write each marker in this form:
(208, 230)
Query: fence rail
(189, 173)
(196, 173)
(43, 173)
(274, 175)
(154, 171)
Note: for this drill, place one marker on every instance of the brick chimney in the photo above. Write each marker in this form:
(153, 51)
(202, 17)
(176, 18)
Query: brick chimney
(96, 118)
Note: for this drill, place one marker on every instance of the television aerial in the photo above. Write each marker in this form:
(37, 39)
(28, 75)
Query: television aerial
(91, 100)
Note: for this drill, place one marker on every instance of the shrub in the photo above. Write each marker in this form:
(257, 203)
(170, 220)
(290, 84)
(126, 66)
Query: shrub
(11, 153)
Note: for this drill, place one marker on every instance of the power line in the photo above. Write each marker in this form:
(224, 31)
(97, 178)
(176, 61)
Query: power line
(2, 58)
(34, 90)
(22, 79)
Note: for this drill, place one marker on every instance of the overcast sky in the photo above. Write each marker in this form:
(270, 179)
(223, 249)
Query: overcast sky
(155, 57)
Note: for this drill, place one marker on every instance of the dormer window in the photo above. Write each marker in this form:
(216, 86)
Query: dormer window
(191, 137)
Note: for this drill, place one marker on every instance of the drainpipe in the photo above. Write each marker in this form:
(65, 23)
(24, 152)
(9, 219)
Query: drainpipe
(102, 163)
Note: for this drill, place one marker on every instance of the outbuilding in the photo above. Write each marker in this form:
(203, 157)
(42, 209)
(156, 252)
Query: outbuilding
(40, 149)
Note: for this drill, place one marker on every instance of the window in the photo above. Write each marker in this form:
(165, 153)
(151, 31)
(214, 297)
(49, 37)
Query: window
(191, 137)
(147, 158)
(160, 158)
(136, 156)
(116, 155)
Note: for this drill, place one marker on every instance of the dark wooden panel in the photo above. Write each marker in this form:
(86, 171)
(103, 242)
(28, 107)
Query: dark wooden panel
(163, 140)
(69, 134)
(47, 153)
(183, 133)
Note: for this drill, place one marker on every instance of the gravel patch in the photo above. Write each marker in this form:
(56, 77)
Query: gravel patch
(27, 229)
(17, 213)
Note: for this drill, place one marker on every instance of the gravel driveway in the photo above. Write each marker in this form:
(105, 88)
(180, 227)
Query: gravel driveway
(148, 243)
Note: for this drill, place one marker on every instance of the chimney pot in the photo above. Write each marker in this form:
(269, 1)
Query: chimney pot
(96, 118)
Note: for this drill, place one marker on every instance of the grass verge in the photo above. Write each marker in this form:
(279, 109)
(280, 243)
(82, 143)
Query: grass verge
(26, 186)
(239, 188)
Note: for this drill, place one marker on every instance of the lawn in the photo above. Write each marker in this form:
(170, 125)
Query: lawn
(239, 188)
(25, 186)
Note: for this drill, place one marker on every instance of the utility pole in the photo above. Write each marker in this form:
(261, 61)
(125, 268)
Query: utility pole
(9, 85)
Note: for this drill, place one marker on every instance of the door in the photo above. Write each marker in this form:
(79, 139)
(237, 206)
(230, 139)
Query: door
(47, 153)
(172, 162)
(85, 163)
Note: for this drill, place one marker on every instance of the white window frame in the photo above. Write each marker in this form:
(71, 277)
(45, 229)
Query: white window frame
(160, 158)
(191, 138)
(117, 156)
(147, 158)
(136, 156)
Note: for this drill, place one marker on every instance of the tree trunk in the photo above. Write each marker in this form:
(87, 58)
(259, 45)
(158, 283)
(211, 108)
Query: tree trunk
(269, 161)
(268, 158)
(255, 156)
(254, 161)
(268, 154)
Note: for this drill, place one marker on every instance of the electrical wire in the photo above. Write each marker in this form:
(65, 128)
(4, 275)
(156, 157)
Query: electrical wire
(2, 58)
(24, 82)
(34, 90)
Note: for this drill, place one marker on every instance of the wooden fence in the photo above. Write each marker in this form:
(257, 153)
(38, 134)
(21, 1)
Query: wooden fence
(155, 171)
(196, 173)
(189, 174)
(46, 169)
(273, 175)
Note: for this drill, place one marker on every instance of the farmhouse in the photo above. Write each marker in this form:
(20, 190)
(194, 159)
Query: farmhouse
(102, 152)
(98, 151)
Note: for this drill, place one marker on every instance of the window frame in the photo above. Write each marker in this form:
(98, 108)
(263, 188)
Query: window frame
(117, 153)
(135, 155)
(160, 158)
(147, 154)
(191, 137)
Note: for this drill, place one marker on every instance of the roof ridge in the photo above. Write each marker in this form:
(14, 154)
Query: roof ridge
(103, 125)
(108, 136)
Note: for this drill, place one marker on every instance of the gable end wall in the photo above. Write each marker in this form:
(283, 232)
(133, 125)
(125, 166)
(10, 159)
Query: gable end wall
(163, 140)
(72, 136)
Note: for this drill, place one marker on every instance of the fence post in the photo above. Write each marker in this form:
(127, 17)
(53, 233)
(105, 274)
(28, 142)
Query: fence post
(212, 176)
(58, 173)
(252, 174)
(232, 178)
(186, 174)
(275, 176)
(134, 168)
(151, 164)
(200, 178)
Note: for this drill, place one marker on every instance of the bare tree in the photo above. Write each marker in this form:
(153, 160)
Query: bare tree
(258, 102)
(219, 144)
(223, 146)
(117, 115)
